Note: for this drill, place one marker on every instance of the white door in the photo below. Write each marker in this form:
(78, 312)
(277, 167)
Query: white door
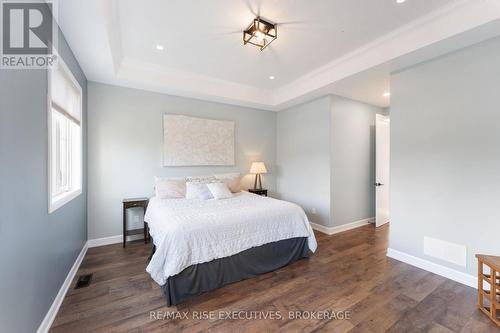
(382, 137)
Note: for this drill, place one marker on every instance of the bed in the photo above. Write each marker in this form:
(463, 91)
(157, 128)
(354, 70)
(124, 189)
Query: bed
(202, 245)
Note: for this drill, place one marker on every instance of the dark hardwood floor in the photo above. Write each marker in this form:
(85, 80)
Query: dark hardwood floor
(349, 272)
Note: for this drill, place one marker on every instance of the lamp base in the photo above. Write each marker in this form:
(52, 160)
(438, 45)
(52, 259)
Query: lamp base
(257, 176)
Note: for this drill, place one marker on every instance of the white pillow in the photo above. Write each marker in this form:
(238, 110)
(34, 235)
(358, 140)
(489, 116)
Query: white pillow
(166, 188)
(219, 190)
(232, 180)
(195, 190)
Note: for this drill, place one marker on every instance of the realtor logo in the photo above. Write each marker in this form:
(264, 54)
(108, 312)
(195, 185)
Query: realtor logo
(28, 34)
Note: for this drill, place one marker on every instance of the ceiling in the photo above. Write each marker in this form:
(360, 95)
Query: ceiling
(205, 36)
(319, 43)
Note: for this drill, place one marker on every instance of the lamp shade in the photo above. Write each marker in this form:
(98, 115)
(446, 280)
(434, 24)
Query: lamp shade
(258, 167)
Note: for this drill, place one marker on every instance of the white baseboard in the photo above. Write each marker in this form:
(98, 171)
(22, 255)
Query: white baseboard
(341, 228)
(452, 274)
(56, 304)
(112, 240)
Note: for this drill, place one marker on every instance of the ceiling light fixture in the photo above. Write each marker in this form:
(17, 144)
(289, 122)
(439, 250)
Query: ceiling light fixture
(159, 47)
(260, 33)
(400, 1)
(271, 77)
(387, 94)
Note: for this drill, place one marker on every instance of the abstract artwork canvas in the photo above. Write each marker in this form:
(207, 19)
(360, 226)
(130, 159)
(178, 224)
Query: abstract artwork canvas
(190, 141)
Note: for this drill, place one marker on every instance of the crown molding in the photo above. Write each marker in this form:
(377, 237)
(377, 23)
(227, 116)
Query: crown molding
(448, 21)
(143, 75)
(111, 12)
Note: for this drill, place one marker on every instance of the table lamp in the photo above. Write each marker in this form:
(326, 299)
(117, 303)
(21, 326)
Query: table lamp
(258, 168)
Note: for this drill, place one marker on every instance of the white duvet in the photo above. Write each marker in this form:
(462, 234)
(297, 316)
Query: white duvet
(188, 232)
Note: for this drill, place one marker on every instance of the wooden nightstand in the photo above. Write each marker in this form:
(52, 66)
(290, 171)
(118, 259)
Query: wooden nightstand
(258, 192)
(135, 202)
(490, 294)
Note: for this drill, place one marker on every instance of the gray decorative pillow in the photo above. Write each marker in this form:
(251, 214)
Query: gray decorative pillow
(201, 179)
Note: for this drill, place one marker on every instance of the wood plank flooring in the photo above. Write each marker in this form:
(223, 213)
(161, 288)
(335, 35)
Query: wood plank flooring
(349, 272)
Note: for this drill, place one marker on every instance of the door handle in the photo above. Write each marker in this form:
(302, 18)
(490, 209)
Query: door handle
(378, 184)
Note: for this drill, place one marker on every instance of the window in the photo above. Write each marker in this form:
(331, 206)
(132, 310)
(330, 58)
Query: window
(65, 136)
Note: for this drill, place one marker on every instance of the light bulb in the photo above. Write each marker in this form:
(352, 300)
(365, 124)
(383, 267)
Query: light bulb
(259, 36)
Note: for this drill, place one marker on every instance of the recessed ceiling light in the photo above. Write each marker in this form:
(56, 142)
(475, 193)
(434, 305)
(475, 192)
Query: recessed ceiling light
(159, 47)
(271, 77)
(400, 1)
(387, 94)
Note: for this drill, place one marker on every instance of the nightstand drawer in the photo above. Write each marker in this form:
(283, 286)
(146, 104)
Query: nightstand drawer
(133, 204)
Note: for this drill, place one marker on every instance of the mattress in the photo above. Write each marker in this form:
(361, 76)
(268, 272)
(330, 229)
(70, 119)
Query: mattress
(187, 232)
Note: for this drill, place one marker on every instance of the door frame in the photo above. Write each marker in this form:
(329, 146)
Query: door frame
(382, 170)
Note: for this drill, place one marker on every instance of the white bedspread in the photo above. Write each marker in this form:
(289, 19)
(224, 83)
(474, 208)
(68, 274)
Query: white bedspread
(188, 232)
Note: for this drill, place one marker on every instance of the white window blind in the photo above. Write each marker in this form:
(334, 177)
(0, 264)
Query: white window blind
(65, 95)
(65, 137)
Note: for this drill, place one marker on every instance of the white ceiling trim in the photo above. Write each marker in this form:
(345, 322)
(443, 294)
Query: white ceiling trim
(113, 29)
(143, 75)
(443, 23)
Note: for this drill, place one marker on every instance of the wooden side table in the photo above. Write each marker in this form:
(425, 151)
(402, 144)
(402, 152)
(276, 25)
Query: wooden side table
(489, 299)
(258, 192)
(129, 203)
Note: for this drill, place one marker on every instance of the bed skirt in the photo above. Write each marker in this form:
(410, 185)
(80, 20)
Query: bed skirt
(200, 278)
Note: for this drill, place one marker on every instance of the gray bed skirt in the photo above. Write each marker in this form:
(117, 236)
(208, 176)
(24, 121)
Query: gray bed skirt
(200, 278)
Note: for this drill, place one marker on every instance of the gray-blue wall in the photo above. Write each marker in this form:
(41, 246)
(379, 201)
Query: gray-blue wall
(352, 160)
(37, 249)
(326, 159)
(445, 154)
(125, 147)
(303, 157)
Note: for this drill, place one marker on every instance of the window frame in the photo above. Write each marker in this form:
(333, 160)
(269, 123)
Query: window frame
(56, 202)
